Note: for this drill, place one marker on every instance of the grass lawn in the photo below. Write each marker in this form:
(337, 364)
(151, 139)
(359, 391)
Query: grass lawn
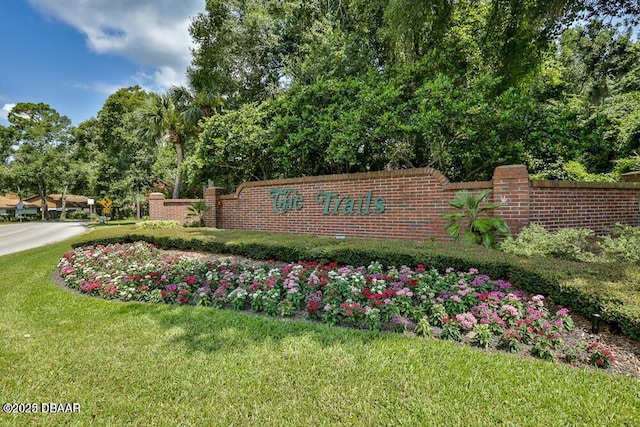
(129, 363)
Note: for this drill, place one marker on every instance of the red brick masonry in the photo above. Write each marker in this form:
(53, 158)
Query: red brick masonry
(405, 204)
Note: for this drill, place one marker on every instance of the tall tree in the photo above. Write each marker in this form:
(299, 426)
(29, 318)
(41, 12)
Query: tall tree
(160, 119)
(41, 133)
(124, 159)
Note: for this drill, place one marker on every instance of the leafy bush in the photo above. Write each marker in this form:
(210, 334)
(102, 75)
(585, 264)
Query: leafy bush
(151, 225)
(76, 215)
(574, 171)
(622, 245)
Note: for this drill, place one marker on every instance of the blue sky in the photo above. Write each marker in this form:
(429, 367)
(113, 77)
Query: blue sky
(72, 54)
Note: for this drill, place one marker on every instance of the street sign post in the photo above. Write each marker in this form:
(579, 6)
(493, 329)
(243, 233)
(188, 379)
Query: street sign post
(19, 209)
(106, 207)
(91, 202)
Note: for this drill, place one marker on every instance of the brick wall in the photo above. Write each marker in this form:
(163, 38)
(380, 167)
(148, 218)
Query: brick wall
(413, 201)
(161, 209)
(558, 204)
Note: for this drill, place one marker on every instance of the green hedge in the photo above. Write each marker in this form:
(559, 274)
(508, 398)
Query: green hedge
(584, 288)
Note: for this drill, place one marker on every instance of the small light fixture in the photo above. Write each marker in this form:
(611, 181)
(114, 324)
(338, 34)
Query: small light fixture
(595, 323)
(341, 236)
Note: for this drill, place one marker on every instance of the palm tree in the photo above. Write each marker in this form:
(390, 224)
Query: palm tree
(197, 211)
(474, 227)
(174, 115)
(158, 119)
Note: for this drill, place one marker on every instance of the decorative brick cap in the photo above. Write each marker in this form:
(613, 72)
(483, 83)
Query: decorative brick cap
(631, 176)
(511, 172)
(156, 196)
(214, 191)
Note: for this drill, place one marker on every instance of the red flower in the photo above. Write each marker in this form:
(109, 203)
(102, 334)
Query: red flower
(312, 308)
(420, 267)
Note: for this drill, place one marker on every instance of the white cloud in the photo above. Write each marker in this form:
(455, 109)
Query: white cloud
(151, 33)
(4, 111)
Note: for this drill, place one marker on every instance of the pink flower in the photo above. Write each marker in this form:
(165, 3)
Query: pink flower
(466, 320)
(510, 310)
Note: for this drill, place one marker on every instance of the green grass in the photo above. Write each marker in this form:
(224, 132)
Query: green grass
(129, 363)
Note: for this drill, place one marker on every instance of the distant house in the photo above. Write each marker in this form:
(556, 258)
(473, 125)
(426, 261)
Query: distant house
(54, 202)
(9, 206)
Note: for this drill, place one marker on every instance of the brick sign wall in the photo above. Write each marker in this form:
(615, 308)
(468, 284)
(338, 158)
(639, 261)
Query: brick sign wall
(557, 204)
(405, 204)
(396, 204)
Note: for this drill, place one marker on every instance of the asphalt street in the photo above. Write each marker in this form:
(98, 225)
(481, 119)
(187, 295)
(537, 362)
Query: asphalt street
(21, 236)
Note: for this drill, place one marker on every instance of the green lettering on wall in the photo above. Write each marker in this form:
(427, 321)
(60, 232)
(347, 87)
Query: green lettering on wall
(285, 200)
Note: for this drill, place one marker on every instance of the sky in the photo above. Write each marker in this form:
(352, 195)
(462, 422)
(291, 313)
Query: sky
(72, 54)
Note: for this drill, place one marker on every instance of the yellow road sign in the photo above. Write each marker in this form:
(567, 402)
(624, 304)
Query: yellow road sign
(106, 205)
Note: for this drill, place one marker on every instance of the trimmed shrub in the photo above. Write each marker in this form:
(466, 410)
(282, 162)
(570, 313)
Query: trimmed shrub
(151, 225)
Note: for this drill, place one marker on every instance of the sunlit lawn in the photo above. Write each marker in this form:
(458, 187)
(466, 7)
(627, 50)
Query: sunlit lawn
(129, 363)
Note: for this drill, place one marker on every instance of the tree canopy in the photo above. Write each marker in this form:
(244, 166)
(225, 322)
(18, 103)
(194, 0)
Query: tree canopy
(287, 88)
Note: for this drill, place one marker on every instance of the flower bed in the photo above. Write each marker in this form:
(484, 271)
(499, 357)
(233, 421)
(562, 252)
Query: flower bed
(461, 306)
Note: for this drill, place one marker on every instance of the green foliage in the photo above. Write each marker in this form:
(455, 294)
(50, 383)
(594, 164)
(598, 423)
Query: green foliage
(152, 225)
(574, 171)
(197, 211)
(622, 245)
(76, 215)
(483, 336)
(316, 88)
(473, 228)
(43, 158)
(423, 327)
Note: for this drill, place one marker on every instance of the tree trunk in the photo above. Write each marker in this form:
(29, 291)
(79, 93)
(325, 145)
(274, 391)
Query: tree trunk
(63, 214)
(138, 216)
(176, 185)
(42, 189)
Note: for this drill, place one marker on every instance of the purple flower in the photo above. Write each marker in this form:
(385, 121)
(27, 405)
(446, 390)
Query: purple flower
(480, 280)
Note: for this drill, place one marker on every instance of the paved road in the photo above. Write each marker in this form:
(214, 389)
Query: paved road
(27, 235)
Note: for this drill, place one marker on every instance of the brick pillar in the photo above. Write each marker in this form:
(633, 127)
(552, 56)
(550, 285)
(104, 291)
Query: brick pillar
(511, 187)
(211, 199)
(156, 206)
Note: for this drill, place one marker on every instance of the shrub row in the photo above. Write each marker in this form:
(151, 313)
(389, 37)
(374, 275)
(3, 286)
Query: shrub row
(584, 288)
